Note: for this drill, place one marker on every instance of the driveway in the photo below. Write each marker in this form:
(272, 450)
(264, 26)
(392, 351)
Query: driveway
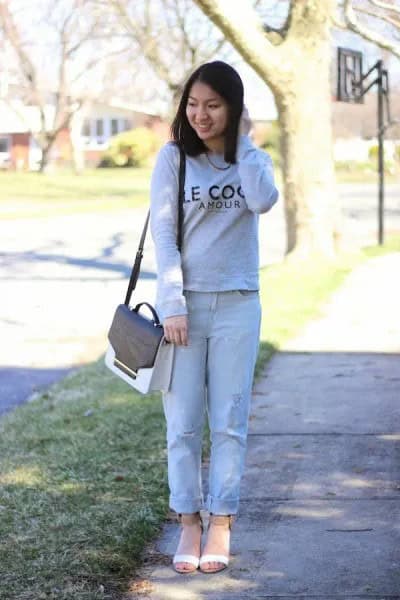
(63, 276)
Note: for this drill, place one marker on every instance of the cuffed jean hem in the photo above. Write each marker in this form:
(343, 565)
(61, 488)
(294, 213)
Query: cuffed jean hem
(185, 504)
(220, 506)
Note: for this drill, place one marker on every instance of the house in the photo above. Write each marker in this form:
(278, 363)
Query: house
(90, 131)
(101, 121)
(18, 149)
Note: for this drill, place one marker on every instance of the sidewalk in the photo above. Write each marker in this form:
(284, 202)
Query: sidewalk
(320, 502)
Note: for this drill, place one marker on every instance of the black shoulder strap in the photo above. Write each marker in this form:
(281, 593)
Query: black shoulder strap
(181, 196)
(139, 254)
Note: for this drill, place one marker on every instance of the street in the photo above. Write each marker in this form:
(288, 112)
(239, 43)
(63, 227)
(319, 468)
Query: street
(62, 278)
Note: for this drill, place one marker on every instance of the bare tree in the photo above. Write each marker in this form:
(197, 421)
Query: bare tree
(55, 59)
(288, 43)
(172, 35)
(293, 58)
(376, 21)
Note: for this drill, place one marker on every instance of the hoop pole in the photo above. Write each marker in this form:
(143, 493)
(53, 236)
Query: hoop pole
(381, 156)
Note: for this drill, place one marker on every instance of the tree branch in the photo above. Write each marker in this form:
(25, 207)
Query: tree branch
(241, 24)
(338, 23)
(94, 61)
(28, 69)
(386, 6)
(354, 25)
(187, 42)
(149, 46)
(392, 21)
(282, 31)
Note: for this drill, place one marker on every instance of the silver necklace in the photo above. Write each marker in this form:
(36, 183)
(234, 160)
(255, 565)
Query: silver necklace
(216, 166)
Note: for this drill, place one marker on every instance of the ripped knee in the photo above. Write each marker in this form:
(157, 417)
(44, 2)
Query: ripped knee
(187, 434)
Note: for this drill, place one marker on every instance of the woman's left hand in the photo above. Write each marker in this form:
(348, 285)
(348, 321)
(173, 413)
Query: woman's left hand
(245, 122)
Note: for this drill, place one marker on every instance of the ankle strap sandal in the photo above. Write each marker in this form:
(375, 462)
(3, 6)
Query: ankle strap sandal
(225, 521)
(188, 519)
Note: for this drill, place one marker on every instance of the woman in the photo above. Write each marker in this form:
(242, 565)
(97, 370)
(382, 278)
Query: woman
(208, 301)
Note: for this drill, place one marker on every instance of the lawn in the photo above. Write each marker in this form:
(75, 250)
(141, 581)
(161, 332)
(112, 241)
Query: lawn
(35, 194)
(26, 195)
(367, 172)
(83, 466)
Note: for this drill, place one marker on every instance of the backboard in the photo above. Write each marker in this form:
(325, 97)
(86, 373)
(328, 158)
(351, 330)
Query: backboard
(349, 76)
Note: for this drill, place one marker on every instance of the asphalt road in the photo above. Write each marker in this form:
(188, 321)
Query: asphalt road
(61, 278)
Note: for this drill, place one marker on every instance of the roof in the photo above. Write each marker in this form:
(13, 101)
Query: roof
(17, 118)
(118, 103)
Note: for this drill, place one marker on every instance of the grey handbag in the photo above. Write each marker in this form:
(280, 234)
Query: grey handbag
(135, 339)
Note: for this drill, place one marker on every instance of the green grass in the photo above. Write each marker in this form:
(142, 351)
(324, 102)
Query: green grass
(367, 172)
(80, 494)
(292, 293)
(34, 194)
(83, 467)
(291, 296)
(27, 195)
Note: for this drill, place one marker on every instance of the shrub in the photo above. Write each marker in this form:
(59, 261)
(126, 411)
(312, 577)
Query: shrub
(355, 166)
(389, 165)
(131, 148)
(373, 152)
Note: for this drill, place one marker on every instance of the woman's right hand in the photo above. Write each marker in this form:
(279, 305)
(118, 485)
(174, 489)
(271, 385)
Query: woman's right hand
(176, 330)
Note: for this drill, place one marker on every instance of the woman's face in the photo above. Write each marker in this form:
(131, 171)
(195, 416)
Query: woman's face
(207, 113)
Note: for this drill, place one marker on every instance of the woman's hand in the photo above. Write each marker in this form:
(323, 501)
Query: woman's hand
(245, 122)
(176, 330)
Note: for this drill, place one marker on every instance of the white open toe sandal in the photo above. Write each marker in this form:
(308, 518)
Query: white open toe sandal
(224, 521)
(186, 558)
(188, 519)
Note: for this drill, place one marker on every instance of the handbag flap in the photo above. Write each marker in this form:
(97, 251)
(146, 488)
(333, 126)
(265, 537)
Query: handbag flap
(134, 338)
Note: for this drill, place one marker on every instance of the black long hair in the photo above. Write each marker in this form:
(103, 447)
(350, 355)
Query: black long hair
(224, 80)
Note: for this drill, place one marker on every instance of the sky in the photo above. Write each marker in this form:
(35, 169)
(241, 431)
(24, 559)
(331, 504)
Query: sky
(258, 98)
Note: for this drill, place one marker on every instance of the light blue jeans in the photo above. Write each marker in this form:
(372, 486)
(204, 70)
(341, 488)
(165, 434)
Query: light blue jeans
(212, 375)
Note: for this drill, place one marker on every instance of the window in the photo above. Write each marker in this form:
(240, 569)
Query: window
(96, 132)
(86, 128)
(4, 144)
(99, 128)
(114, 126)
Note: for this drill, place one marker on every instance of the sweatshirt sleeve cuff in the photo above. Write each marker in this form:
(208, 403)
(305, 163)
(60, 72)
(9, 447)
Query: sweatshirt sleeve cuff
(173, 308)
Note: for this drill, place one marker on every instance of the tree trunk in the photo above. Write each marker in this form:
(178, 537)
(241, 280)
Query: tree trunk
(44, 161)
(76, 143)
(304, 106)
(297, 70)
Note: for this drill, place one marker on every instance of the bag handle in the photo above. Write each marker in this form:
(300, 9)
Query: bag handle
(139, 254)
(151, 309)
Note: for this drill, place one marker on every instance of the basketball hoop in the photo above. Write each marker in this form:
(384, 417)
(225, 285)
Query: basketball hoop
(351, 88)
(350, 75)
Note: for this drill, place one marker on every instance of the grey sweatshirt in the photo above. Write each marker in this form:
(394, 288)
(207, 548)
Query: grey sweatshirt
(220, 228)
